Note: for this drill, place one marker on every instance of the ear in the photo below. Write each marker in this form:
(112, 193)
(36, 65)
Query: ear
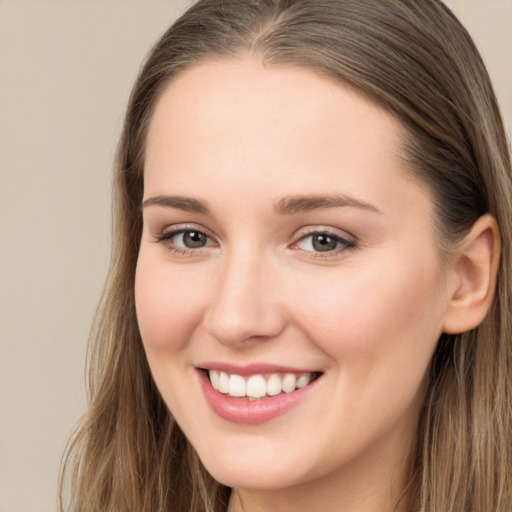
(474, 270)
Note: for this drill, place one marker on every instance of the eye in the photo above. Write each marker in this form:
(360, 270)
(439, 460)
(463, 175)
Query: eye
(191, 239)
(185, 239)
(324, 242)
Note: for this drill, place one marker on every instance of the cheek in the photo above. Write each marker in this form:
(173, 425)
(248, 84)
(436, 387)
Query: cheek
(379, 329)
(169, 305)
(379, 318)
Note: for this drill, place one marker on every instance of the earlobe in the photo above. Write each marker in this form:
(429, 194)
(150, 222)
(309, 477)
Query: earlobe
(475, 267)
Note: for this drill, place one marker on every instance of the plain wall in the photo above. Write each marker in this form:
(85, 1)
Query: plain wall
(66, 68)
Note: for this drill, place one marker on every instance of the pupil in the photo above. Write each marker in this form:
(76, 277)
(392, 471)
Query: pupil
(194, 239)
(324, 243)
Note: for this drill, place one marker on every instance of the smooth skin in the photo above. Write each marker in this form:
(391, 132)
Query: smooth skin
(250, 268)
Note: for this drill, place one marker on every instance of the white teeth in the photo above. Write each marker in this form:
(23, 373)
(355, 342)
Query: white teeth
(237, 386)
(274, 385)
(289, 382)
(214, 377)
(303, 380)
(223, 382)
(255, 386)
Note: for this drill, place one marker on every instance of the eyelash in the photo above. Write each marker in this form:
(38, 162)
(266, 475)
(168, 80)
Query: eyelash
(166, 238)
(343, 244)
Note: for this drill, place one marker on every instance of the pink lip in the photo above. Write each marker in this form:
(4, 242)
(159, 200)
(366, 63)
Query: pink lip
(251, 369)
(243, 411)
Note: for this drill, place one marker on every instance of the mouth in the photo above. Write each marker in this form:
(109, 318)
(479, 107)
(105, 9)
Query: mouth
(259, 386)
(256, 393)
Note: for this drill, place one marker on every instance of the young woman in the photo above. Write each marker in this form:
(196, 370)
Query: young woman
(309, 302)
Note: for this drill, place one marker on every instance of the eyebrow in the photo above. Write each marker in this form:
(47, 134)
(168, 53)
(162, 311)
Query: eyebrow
(296, 204)
(188, 204)
(289, 205)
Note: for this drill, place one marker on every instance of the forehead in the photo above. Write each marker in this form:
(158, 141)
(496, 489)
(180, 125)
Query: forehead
(242, 124)
(245, 96)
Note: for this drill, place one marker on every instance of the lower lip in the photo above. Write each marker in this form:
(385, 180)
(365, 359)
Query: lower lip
(250, 412)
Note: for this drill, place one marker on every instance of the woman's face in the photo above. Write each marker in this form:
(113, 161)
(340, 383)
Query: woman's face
(285, 246)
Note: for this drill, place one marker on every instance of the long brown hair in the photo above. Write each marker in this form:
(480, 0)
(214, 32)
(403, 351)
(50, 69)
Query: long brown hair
(416, 60)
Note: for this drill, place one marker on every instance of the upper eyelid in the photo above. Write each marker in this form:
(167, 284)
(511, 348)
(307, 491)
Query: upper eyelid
(299, 234)
(326, 233)
(180, 228)
(346, 241)
(325, 230)
(174, 232)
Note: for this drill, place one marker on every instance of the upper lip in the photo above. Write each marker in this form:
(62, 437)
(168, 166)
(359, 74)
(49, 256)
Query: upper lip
(253, 368)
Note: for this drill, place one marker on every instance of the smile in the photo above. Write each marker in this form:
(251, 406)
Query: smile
(257, 394)
(259, 385)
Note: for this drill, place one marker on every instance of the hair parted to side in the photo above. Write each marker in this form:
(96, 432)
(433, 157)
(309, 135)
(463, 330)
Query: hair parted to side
(415, 59)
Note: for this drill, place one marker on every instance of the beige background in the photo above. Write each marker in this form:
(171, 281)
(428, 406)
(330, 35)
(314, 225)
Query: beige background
(65, 72)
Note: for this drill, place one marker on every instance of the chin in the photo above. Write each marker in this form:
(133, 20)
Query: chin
(261, 468)
(250, 478)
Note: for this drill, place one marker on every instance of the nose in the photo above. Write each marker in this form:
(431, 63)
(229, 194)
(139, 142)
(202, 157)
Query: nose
(246, 303)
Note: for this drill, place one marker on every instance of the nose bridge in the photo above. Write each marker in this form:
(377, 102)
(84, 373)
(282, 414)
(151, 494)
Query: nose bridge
(243, 306)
